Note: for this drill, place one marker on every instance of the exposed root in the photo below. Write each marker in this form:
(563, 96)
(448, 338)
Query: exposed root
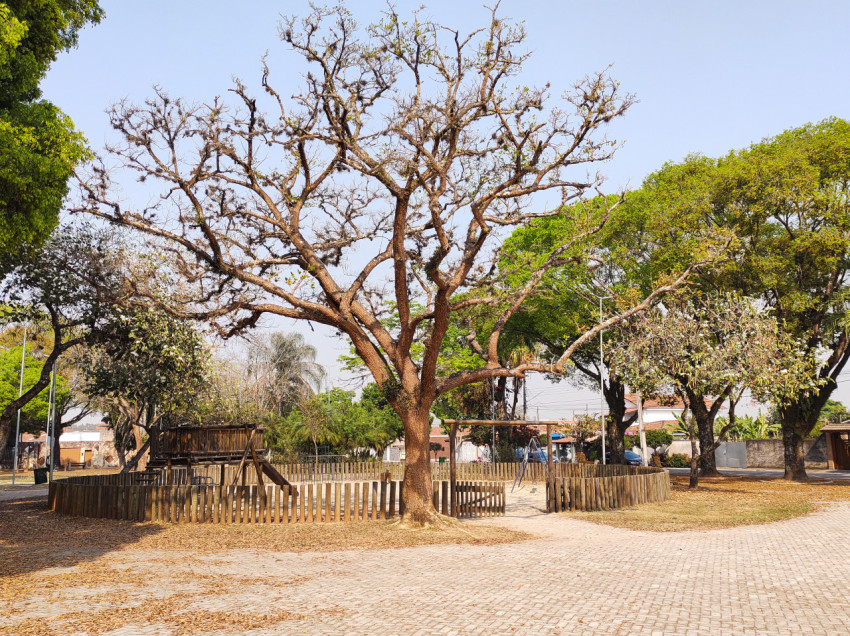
(433, 521)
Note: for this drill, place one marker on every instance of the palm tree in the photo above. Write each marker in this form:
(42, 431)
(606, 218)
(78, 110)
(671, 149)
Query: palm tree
(285, 369)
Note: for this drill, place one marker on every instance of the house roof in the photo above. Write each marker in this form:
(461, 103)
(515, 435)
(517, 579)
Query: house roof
(658, 401)
(652, 426)
(672, 402)
(837, 426)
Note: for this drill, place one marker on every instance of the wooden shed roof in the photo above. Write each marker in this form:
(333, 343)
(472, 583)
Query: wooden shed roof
(837, 426)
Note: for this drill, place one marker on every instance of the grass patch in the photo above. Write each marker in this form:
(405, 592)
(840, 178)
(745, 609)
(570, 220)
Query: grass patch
(724, 502)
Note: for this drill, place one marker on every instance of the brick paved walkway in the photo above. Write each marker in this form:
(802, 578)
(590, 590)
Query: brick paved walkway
(579, 578)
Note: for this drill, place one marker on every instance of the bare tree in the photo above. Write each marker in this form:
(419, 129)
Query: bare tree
(394, 174)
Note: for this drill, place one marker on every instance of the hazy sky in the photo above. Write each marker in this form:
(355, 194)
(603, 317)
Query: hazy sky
(710, 76)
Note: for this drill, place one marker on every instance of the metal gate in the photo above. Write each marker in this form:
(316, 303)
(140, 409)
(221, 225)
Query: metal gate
(731, 455)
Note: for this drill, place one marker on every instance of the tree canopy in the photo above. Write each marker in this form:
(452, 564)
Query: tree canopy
(710, 349)
(147, 364)
(786, 200)
(285, 370)
(39, 147)
(69, 288)
(340, 424)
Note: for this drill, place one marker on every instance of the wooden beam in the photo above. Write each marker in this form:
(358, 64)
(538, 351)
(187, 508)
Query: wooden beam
(244, 457)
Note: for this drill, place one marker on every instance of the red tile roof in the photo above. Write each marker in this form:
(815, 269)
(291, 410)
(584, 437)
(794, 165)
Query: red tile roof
(653, 426)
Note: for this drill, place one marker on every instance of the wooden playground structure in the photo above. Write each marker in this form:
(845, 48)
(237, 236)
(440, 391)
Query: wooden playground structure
(206, 446)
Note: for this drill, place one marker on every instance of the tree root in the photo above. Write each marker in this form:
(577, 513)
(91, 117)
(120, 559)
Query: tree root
(433, 521)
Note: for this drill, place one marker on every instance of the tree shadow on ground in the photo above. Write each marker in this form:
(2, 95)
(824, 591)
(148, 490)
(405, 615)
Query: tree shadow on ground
(33, 538)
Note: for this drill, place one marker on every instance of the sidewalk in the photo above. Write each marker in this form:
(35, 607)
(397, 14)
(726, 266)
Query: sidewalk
(773, 473)
(23, 493)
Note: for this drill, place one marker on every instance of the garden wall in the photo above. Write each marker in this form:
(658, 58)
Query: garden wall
(770, 453)
(764, 453)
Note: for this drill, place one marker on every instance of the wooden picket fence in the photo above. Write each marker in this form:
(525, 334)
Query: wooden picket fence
(594, 487)
(121, 497)
(358, 471)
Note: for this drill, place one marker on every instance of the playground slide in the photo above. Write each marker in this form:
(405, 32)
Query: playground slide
(272, 474)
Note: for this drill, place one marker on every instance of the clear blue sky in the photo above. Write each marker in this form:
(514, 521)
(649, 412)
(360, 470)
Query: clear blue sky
(710, 76)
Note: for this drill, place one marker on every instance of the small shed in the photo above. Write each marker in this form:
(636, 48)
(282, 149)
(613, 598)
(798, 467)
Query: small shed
(838, 444)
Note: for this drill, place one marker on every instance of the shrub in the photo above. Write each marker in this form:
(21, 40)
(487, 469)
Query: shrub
(580, 458)
(655, 461)
(654, 439)
(676, 460)
(658, 438)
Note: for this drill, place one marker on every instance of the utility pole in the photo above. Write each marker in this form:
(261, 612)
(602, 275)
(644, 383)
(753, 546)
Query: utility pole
(643, 459)
(52, 420)
(18, 425)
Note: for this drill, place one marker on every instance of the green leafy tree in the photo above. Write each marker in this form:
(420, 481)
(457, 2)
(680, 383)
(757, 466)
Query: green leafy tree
(710, 350)
(786, 198)
(584, 429)
(68, 288)
(655, 438)
(336, 420)
(39, 147)
(34, 414)
(832, 412)
(636, 251)
(149, 366)
(748, 427)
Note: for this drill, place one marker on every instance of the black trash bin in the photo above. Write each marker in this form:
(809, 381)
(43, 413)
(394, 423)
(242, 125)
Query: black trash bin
(40, 475)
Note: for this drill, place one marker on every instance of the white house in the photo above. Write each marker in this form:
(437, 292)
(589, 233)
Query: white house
(657, 412)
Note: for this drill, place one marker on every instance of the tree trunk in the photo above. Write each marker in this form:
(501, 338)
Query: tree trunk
(707, 460)
(798, 419)
(694, 480)
(5, 433)
(616, 444)
(617, 422)
(416, 494)
(705, 429)
(795, 464)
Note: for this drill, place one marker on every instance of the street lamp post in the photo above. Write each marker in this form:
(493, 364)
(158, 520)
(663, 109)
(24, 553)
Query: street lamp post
(602, 381)
(18, 425)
